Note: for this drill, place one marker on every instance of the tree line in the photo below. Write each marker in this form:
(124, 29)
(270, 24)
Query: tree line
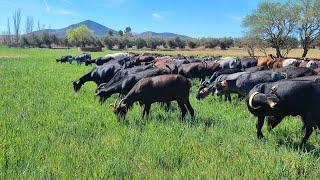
(282, 26)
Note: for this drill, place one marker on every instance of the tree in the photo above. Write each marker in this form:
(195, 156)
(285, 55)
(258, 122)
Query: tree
(29, 25)
(274, 22)
(249, 42)
(110, 32)
(34, 40)
(38, 26)
(46, 39)
(121, 43)
(171, 44)
(120, 33)
(309, 23)
(54, 39)
(288, 44)
(127, 31)
(140, 43)
(16, 25)
(24, 41)
(225, 43)
(209, 42)
(191, 44)
(108, 42)
(152, 43)
(80, 36)
(8, 37)
(179, 42)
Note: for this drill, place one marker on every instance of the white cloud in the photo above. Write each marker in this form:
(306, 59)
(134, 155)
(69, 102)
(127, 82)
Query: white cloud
(160, 16)
(54, 10)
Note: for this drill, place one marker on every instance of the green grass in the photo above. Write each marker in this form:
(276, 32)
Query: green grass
(49, 131)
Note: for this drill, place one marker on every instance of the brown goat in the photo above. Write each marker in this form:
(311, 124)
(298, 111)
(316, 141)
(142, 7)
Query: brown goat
(198, 70)
(163, 62)
(263, 61)
(275, 64)
(163, 88)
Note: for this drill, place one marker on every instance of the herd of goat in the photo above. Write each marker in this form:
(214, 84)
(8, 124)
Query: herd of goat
(273, 88)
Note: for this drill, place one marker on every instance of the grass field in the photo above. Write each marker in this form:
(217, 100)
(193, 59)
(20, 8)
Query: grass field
(49, 131)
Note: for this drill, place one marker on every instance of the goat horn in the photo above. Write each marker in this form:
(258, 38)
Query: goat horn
(115, 103)
(251, 99)
(120, 102)
(97, 92)
(103, 84)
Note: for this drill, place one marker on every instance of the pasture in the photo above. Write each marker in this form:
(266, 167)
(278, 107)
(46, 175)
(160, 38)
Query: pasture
(49, 131)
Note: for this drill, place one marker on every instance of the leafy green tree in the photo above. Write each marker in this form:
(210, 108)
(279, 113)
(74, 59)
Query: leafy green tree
(152, 43)
(46, 39)
(34, 40)
(209, 42)
(179, 42)
(191, 44)
(80, 36)
(273, 22)
(128, 31)
(171, 44)
(309, 23)
(120, 33)
(121, 43)
(109, 42)
(140, 43)
(110, 32)
(24, 41)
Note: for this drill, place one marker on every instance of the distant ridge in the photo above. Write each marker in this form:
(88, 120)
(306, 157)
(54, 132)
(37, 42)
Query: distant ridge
(96, 28)
(161, 35)
(101, 30)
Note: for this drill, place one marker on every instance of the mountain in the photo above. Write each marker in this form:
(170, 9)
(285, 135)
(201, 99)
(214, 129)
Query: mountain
(101, 30)
(161, 35)
(96, 28)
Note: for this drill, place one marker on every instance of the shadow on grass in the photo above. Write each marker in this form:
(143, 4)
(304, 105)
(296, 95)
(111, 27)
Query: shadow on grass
(140, 123)
(289, 143)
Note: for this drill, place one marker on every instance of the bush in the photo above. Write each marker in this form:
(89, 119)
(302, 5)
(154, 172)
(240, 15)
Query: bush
(191, 44)
(140, 43)
(109, 42)
(179, 42)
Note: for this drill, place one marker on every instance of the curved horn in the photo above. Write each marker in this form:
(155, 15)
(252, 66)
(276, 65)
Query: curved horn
(115, 103)
(97, 92)
(103, 84)
(251, 99)
(120, 102)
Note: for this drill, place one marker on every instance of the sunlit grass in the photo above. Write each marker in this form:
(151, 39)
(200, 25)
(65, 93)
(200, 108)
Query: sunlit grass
(49, 131)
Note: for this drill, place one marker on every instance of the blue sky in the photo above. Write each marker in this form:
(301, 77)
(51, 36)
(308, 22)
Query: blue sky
(196, 18)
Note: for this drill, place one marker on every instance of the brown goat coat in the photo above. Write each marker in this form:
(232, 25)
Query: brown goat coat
(163, 88)
(198, 70)
(263, 61)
